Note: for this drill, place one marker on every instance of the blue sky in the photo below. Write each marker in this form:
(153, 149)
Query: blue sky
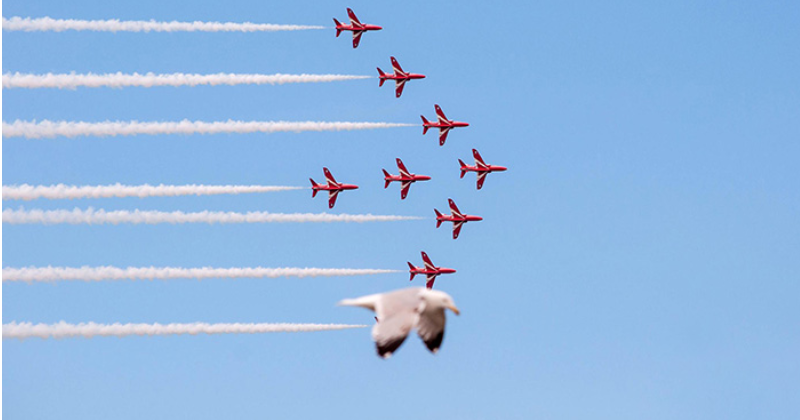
(638, 259)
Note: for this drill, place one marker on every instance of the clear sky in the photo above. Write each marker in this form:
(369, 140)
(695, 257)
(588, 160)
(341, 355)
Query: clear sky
(638, 260)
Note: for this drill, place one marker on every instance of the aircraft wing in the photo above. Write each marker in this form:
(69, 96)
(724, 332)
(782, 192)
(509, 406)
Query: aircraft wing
(443, 135)
(329, 177)
(454, 209)
(481, 178)
(353, 19)
(478, 159)
(332, 194)
(398, 71)
(428, 264)
(398, 90)
(402, 168)
(457, 229)
(404, 190)
(356, 38)
(440, 114)
(431, 279)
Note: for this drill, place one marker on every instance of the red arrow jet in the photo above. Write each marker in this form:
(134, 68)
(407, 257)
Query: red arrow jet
(332, 187)
(456, 217)
(355, 26)
(405, 178)
(400, 77)
(429, 270)
(444, 125)
(481, 168)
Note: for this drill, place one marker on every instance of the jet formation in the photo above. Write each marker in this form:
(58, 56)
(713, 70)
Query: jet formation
(398, 312)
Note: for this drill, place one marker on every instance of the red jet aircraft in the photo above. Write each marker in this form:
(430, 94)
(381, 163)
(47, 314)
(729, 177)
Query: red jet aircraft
(400, 77)
(444, 125)
(405, 178)
(429, 270)
(332, 187)
(480, 168)
(355, 26)
(456, 217)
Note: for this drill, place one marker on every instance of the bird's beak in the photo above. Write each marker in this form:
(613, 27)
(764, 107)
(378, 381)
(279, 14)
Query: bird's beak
(454, 309)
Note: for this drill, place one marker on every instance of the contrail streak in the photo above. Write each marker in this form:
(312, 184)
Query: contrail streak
(51, 129)
(17, 23)
(61, 191)
(119, 80)
(62, 329)
(104, 273)
(91, 216)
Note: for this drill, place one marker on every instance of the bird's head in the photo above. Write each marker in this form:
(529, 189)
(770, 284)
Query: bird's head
(439, 299)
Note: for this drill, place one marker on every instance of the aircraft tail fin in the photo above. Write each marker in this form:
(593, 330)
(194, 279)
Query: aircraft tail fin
(413, 273)
(461, 162)
(386, 177)
(438, 218)
(381, 74)
(313, 190)
(425, 123)
(338, 31)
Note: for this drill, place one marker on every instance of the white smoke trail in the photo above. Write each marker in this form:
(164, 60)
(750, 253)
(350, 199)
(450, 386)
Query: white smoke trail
(17, 23)
(50, 129)
(119, 80)
(99, 217)
(62, 329)
(61, 191)
(51, 274)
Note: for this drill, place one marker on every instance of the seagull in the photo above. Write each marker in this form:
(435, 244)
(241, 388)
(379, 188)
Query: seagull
(400, 311)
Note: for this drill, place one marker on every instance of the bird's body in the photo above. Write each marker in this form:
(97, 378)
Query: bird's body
(400, 311)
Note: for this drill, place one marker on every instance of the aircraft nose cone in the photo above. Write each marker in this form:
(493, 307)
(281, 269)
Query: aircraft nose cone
(478, 218)
(378, 28)
(424, 178)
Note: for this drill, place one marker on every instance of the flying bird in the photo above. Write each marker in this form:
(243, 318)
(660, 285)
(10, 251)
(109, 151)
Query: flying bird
(400, 311)
(355, 26)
